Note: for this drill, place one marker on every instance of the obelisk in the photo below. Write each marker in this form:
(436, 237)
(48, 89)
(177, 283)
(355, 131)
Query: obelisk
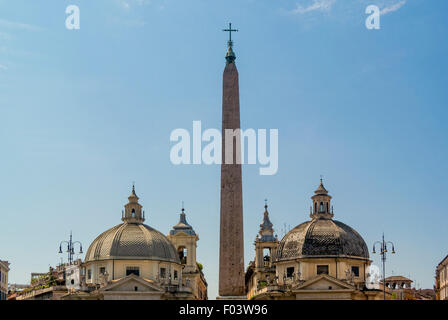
(231, 250)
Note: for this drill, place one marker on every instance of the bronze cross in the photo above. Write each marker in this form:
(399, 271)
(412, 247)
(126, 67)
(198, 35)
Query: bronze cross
(230, 30)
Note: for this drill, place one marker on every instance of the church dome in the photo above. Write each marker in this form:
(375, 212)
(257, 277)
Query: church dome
(322, 236)
(132, 240)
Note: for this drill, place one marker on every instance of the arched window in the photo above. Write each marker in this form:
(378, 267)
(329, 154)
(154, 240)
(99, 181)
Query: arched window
(315, 206)
(182, 251)
(266, 257)
(328, 209)
(321, 207)
(266, 261)
(133, 213)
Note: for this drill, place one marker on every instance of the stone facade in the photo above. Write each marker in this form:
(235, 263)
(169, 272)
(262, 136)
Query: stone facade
(98, 272)
(50, 293)
(398, 282)
(442, 280)
(4, 270)
(400, 288)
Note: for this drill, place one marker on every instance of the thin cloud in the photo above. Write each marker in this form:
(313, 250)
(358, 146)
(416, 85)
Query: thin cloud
(2, 67)
(124, 4)
(143, 2)
(18, 25)
(132, 23)
(393, 7)
(127, 4)
(317, 5)
(5, 36)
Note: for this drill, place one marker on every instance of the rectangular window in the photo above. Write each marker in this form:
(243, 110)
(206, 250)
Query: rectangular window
(102, 270)
(133, 270)
(89, 274)
(175, 274)
(290, 272)
(322, 269)
(162, 273)
(355, 270)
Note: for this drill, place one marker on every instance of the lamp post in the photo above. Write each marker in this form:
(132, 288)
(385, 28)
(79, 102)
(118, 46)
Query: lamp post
(383, 251)
(70, 248)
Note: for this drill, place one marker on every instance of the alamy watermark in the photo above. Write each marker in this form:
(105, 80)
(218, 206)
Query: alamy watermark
(72, 22)
(373, 20)
(189, 148)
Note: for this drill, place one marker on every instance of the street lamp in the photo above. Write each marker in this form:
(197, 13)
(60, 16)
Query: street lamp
(70, 248)
(383, 251)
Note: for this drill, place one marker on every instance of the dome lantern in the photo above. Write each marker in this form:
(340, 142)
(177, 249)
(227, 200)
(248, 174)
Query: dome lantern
(133, 212)
(322, 208)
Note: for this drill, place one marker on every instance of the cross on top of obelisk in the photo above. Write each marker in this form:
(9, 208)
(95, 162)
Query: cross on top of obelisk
(230, 56)
(230, 30)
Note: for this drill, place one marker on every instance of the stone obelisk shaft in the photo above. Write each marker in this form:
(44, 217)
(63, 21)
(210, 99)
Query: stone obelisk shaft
(231, 251)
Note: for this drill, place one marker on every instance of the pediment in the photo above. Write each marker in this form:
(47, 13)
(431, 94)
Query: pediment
(133, 283)
(324, 282)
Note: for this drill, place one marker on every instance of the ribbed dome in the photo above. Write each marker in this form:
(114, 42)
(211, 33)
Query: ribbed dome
(132, 241)
(322, 237)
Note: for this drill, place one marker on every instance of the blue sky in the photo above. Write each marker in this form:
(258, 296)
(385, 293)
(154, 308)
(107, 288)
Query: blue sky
(86, 112)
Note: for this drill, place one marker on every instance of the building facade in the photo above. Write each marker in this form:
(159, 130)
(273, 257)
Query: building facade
(45, 286)
(398, 282)
(320, 259)
(4, 270)
(442, 280)
(135, 261)
(399, 287)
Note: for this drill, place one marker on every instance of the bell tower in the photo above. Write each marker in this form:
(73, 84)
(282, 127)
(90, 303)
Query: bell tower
(261, 271)
(184, 239)
(265, 243)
